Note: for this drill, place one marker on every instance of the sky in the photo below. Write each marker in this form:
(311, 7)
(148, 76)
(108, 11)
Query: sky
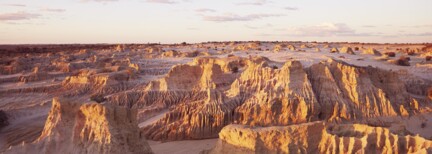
(194, 21)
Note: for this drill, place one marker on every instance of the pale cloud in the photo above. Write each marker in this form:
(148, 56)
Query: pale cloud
(99, 0)
(259, 27)
(205, 10)
(53, 10)
(265, 35)
(419, 34)
(405, 34)
(192, 28)
(161, 1)
(291, 8)
(256, 2)
(18, 16)
(324, 29)
(419, 26)
(15, 5)
(234, 17)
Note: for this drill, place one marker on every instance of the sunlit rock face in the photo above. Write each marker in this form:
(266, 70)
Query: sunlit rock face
(372, 51)
(201, 109)
(351, 92)
(73, 127)
(347, 50)
(260, 95)
(317, 137)
(275, 96)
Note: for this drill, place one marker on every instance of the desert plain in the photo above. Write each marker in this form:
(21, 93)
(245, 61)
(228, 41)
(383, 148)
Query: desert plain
(216, 97)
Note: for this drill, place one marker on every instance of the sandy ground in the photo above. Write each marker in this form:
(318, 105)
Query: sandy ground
(152, 120)
(14, 133)
(182, 147)
(417, 125)
(177, 147)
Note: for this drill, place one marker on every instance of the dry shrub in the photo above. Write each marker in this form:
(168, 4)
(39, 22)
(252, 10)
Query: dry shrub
(356, 48)
(235, 69)
(3, 119)
(97, 98)
(403, 61)
(390, 54)
(423, 125)
(411, 53)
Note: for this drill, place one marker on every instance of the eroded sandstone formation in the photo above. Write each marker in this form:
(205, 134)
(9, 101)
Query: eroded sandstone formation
(317, 137)
(174, 96)
(372, 51)
(266, 96)
(272, 98)
(347, 50)
(203, 115)
(73, 127)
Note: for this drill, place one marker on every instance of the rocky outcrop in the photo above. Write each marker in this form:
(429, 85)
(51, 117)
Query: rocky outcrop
(195, 115)
(14, 65)
(36, 75)
(195, 120)
(347, 50)
(150, 103)
(98, 79)
(154, 49)
(266, 96)
(279, 47)
(187, 78)
(417, 86)
(272, 98)
(182, 98)
(331, 90)
(100, 83)
(291, 47)
(350, 92)
(304, 46)
(203, 116)
(317, 137)
(248, 46)
(334, 50)
(171, 53)
(72, 127)
(372, 51)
